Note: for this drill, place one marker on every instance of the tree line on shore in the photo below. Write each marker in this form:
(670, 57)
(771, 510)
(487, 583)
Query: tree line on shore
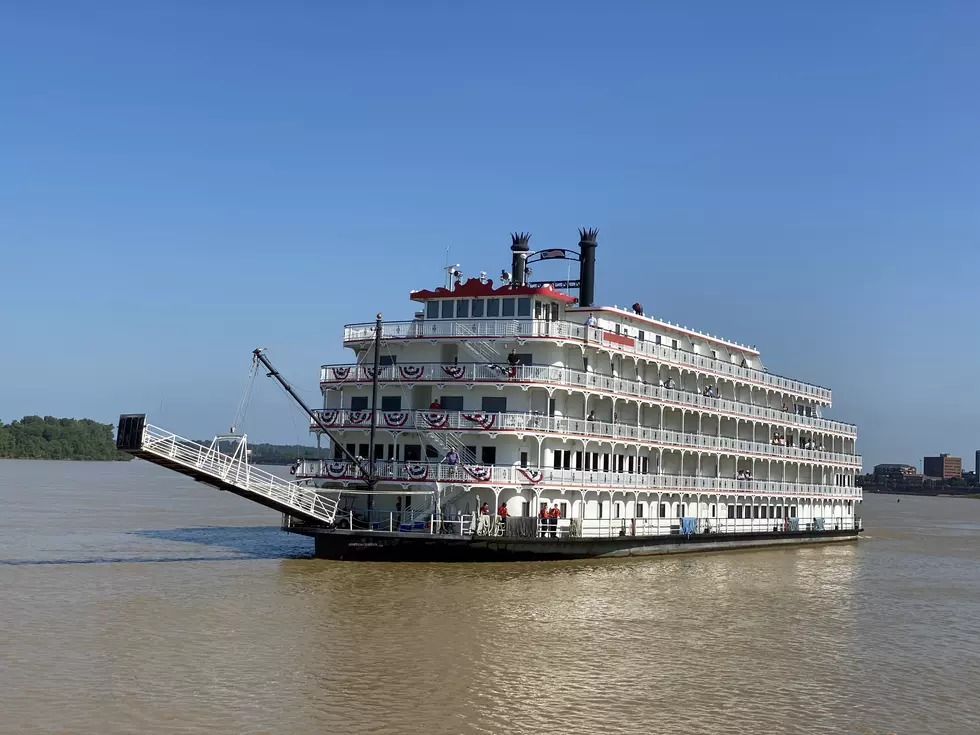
(49, 437)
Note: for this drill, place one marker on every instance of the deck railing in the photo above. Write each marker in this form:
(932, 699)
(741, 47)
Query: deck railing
(503, 328)
(437, 420)
(513, 476)
(554, 375)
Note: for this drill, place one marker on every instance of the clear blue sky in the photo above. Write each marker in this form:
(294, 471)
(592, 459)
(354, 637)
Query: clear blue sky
(183, 181)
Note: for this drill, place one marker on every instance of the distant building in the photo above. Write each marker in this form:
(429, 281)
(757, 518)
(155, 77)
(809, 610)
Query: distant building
(943, 466)
(894, 470)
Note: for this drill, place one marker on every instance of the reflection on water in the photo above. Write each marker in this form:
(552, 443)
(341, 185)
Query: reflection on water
(236, 629)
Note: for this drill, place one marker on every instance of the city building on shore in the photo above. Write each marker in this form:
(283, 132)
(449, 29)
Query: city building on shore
(944, 466)
(896, 471)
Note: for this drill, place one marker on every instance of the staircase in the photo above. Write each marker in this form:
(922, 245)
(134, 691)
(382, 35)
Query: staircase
(210, 465)
(446, 440)
(483, 349)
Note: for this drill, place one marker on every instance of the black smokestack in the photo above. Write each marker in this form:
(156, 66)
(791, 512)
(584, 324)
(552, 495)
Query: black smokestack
(586, 248)
(519, 247)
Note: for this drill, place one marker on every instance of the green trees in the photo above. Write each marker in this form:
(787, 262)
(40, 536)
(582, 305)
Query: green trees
(34, 437)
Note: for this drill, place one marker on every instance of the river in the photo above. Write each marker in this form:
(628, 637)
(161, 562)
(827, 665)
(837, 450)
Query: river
(135, 600)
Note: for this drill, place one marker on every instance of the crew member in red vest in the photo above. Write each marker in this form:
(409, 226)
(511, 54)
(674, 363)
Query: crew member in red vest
(543, 519)
(555, 515)
(502, 510)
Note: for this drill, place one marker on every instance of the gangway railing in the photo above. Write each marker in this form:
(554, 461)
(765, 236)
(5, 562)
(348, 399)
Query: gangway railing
(212, 465)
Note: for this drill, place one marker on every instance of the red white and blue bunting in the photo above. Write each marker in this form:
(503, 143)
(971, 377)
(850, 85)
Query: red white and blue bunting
(327, 418)
(341, 373)
(369, 371)
(454, 371)
(395, 418)
(417, 470)
(411, 372)
(435, 419)
(533, 476)
(484, 420)
(478, 472)
(358, 417)
(336, 469)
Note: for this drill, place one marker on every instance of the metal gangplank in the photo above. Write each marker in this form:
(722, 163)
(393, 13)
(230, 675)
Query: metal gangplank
(212, 466)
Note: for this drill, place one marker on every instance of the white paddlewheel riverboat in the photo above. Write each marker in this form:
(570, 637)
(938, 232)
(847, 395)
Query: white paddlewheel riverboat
(512, 418)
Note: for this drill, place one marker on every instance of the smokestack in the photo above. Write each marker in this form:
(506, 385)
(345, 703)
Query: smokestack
(519, 248)
(586, 246)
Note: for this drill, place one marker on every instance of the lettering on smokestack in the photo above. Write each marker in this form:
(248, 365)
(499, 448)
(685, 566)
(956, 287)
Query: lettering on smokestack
(587, 245)
(520, 249)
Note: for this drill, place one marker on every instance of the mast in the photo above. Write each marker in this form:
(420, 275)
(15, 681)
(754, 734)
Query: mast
(370, 478)
(374, 407)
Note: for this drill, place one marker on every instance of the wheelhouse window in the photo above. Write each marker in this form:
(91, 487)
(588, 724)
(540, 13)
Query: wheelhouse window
(524, 307)
(447, 309)
(431, 309)
(462, 309)
(477, 308)
(358, 403)
(657, 339)
(493, 307)
(508, 307)
(537, 310)
(673, 344)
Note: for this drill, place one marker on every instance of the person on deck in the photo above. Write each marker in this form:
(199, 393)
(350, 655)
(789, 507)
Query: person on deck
(555, 515)
(543, 519)
(502, 511)
(435, 405)
(451, 457)
(484, 510)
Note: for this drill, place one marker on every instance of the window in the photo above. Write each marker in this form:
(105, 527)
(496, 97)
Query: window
(431, 452)
(451, 403)
(629, 465)
(447, 309)
(731, 511)
(391, 403)
(508, 307)
(663, 510)
(739, 509)
(779, 511)
(432, 309)
(792, 511)
(524, 306)
(639, 510)
(362, 450)
(494, 404)
(682, 510)
(358, 403)
(386, 360)
(462, 309)
(413, 452)
(476, 309)
(616, 510)
(379, 451)
(605, 463)
(493, 307)
(600, 509)
(488, 455)
(563, 459)
(554, 312)
(755, 511)
(578, 460)
(523, 459)
(712, 510)
(563, 509)
(537, 310)
(714, 354)
(645, 465)
(657, 339)
(640, 335)
(763, 512)
(673, 344)
(337, 453)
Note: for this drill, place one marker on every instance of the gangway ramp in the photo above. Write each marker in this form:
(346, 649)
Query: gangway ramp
(212, 466)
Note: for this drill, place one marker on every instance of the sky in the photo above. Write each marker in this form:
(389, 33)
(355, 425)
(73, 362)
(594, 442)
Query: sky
(181, 182)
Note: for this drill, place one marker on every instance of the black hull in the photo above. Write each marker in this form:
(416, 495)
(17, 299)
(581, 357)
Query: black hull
(375, 546)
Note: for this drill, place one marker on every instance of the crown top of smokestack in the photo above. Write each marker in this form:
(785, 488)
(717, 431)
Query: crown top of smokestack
(519, 241)
(588, 234)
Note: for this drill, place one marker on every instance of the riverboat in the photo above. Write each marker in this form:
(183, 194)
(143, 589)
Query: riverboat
(511, 419)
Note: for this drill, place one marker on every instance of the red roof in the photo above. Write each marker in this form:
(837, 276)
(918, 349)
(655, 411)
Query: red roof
(474, 288)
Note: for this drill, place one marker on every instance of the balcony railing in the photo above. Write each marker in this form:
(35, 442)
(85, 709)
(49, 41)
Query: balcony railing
(418, 329)
(438, 420)
(418, 472)
(549, 374)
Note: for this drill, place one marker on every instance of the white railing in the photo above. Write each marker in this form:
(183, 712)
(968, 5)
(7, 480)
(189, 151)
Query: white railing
(569, 330)
(563, 376)
(509, 475)
(232, 469)
(434, 422)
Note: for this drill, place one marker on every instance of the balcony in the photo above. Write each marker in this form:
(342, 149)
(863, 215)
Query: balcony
(576, 480)
(512, 422)
(332, 375)
(528, 328)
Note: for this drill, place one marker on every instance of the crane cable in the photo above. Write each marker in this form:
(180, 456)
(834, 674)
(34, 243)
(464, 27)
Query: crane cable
(246, 396)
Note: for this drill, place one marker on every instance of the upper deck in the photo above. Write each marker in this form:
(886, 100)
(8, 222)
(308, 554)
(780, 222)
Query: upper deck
(614, 331)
